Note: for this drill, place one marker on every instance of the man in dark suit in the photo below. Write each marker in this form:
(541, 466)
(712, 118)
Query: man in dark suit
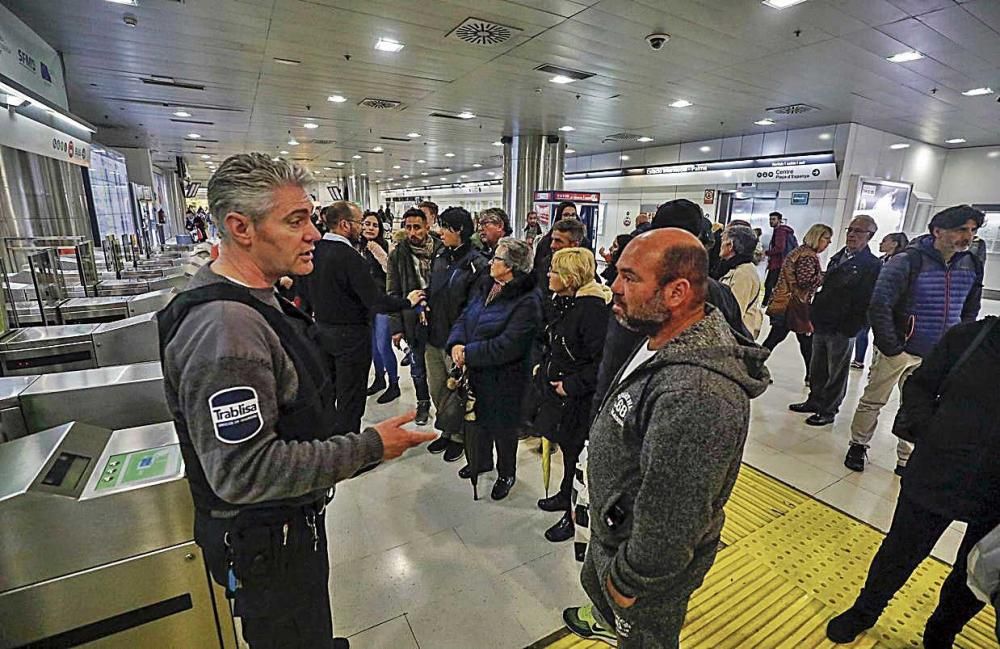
(344, 297)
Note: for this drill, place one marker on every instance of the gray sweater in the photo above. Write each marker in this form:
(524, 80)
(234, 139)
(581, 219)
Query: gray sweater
(222, 345)
(664, 454)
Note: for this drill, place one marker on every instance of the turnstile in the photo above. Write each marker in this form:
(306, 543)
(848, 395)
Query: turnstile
(12, 424)
(96, 546)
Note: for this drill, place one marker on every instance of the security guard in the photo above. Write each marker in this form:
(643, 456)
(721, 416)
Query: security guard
(252, 403)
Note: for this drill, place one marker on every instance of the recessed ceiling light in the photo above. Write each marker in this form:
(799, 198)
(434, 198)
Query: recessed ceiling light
(570, 150)
(498, 143)
(327, 168)
(388, 45)
(377, 149)
(490, 173)
(955, 140)
(904, 57)
(193, 136)
(466, 115)
(448, 169)
(561, 79)
(425, 181)
(131, 3)
(282, 61)
(395, 166)
(442, 178)
(476, 165)
(824, 136)
(293, 142)
(625, 157)
(182, 113)
(463, 176)
(767, 121)
(355, 157)
(975, 92)
(337, 99)
(645, 138)
(414, 134)
(205, 156)
(899, 145)
(781, 4)
(680, 103)
(993, 154)
(276, 159)
(566, 129)
(283, 152)
(424, 173)
(389, 180)
(340, 164)
(310, 125)
(705, 149)
(405, 176)
(449, 155)
(378, 171)
(421, 161)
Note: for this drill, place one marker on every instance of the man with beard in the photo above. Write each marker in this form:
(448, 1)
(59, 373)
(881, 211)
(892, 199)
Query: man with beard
(665, 448)
(344, 296)
(410, 270)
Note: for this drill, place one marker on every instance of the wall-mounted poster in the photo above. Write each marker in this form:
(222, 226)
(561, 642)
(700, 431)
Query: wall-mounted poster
(883, 200)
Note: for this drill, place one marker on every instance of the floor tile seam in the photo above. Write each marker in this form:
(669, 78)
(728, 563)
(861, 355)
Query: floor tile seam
(376, 625)
(413, 634)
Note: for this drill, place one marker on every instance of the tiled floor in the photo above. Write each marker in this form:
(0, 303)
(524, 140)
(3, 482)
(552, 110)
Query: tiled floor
(417, 563)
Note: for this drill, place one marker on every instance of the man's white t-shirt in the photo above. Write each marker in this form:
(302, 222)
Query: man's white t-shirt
(643, 354)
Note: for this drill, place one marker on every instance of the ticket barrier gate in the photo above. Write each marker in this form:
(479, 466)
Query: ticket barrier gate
(96, 545)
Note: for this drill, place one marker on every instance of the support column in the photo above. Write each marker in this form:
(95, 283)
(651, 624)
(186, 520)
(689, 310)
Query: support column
(359, 191)
(530, 163)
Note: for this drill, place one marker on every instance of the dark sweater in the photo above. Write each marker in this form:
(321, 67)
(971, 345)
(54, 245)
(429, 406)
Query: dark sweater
(841, 305)
(341, 288)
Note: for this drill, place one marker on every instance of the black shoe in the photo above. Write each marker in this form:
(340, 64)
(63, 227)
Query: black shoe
(900, 470)
(341, 643)
(502, 487)
(561, 531)
(819, 419)
(847, 626)
(439, 445)
(556, 503)
(390, 394)
(407, 359)
(454, 452)
(465, 472)
(377, 385)
(423, 412)
(856, 456)
(803, 407)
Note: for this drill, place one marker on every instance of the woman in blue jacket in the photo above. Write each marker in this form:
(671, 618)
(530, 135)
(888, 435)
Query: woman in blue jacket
(493, 338)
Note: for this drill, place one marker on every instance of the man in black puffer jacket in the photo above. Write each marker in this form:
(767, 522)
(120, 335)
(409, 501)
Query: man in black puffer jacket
(454, 271)
(620, 342)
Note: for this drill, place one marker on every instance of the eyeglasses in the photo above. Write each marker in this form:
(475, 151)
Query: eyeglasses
(499, 258)
(858, 231)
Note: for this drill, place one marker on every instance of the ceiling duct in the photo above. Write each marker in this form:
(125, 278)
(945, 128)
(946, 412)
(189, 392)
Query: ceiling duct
(576, 75)
(321, 142)
(446, 116)
(380, 104)
(192, 121)
(482, 33)
(792, 109)
(171, 83)
(395, 139)
(621, 137)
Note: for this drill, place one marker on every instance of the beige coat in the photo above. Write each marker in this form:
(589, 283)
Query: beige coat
(745, 284)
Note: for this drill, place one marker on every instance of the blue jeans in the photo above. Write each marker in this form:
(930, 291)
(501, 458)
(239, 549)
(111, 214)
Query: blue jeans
(861, 345)
(382, 355)
(418, 371)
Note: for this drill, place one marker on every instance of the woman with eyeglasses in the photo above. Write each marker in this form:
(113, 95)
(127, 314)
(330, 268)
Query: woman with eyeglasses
(375, 249)
(492, 339)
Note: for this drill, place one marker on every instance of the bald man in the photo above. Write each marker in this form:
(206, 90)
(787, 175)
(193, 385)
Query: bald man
(666, 446)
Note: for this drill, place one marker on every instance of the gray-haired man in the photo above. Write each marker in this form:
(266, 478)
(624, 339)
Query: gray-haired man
(838, 313)
(251, 400)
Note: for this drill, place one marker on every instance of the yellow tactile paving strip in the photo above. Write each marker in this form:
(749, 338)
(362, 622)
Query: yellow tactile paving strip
(789, 565)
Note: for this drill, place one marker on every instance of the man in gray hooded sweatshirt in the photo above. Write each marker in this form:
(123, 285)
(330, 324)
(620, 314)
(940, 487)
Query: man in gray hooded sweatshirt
(666, 447)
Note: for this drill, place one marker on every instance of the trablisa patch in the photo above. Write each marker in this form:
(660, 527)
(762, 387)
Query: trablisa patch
(235, 414)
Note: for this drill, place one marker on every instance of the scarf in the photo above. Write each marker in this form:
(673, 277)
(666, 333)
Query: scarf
(423, 256)
(494, 292)
(726, 265)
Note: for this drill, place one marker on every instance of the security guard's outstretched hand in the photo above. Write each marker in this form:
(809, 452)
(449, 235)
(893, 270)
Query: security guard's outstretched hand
(396, 439)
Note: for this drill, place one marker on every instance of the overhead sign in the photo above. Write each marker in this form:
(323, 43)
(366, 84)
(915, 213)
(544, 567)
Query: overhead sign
(576, 197)
(19, 132)
(29, 61)
(776, 169)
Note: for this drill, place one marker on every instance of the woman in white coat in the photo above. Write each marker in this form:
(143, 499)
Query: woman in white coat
(738, 271)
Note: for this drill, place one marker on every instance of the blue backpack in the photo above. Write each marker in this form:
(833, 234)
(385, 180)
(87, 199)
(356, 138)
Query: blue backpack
(791, 243)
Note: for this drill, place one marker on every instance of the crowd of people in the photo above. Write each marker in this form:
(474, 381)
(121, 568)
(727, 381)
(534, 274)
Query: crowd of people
(614, 367)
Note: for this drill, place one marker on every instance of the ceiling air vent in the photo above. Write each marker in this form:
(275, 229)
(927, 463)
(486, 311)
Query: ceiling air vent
(380, 104)
(170, 83)
(482, 33)
(191, 121)
(792, 109)
(576, 75)
(621, 137)
(320, 141)
(394, 139)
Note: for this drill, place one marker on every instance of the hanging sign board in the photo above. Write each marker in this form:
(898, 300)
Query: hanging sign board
(777, 169)
(29, 61)
(19, 132)
(576, 197)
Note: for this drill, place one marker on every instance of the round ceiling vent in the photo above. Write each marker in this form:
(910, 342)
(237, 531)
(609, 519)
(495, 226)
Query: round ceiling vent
(482, 33)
